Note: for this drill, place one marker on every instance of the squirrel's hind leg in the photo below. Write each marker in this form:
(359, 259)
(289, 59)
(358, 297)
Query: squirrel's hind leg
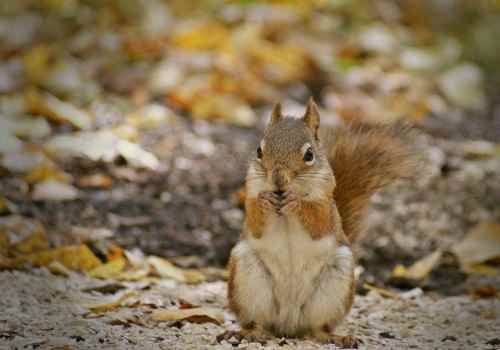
(250, 290)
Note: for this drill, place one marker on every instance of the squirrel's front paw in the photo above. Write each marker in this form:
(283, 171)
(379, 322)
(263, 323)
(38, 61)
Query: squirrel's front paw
(269, 202)
(250, 335)
(289, 203)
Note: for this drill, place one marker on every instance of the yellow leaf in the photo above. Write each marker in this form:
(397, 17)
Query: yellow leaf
(481, 244)
(111, 269)
(113, 303)
(166, 269)
(195, 315)
(419, 269)
(36, 63)
(194, 276)
(78, 257)
(95, 180)
(381, 291)
(47, 172)
(482, 269)
(58, 269)
(34, 243)
(194, 36)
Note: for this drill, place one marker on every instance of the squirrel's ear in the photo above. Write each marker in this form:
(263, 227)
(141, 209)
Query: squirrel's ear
(311, 117)
(276, 114)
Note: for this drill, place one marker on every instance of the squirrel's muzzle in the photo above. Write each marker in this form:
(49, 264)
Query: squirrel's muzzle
(280, 178)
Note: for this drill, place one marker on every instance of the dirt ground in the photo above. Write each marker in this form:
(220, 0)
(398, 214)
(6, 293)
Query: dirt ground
(54, 315)
(409, 220)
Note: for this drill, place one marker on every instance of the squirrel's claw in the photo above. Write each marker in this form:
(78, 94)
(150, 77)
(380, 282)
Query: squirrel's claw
(268, 201)
(341, 341)
(290, 203)
(250, 335)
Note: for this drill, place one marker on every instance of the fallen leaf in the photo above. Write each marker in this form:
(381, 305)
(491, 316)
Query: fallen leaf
(108, 288)
(46, 172)
(166, 269)
(136, 274)
(113, 302)
(23, 235)
(59, 269)
(463, 85)
(96, 181)
(101, 145)
(383, 292)
(4, 243)
(57, 110)
(79, 258)
(53, 190)
(481, 244)
(481, 149)
(22, 162)
(486, 291)
(419, 269)
(35, 242)
(114, 252)
(194, 315)
(109, 270)
(4, 208)
(87, 234)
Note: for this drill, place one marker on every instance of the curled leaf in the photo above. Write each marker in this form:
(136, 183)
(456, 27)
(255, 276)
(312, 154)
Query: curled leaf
(195, 315)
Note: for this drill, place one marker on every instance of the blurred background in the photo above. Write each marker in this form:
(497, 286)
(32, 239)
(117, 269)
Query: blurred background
(125, 125)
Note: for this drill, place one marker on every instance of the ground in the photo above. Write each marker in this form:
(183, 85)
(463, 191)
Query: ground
(43, 311)
(54, 315)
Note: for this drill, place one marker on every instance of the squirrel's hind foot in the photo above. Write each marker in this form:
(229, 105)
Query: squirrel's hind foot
(250, 335)
(342, 341)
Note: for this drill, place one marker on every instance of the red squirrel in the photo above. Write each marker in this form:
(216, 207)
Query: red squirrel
(307, 191)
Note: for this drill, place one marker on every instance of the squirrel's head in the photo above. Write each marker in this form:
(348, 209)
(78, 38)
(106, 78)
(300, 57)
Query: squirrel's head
(289, 157)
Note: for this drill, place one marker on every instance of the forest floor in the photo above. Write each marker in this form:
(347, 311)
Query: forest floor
(125, 131)
(449, 309)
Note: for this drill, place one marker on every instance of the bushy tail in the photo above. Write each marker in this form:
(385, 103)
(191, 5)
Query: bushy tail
(365, 159)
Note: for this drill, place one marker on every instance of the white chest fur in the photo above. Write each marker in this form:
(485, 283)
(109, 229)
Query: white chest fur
(294, 262)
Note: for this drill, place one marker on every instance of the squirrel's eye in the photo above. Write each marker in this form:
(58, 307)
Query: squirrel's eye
(259, 153)
(309, 156)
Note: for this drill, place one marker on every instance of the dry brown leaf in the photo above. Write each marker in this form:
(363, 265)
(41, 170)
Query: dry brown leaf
(109, 288)
(78, 257)
(419, 269)
(115, 252)
(486, 291)
(195, 315)
(109, 270)
(96, 181)
(3, 205)
(383, 292)
(114, 302)
(481, 244)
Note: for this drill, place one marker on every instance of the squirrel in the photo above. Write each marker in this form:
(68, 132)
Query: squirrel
(307, 191)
